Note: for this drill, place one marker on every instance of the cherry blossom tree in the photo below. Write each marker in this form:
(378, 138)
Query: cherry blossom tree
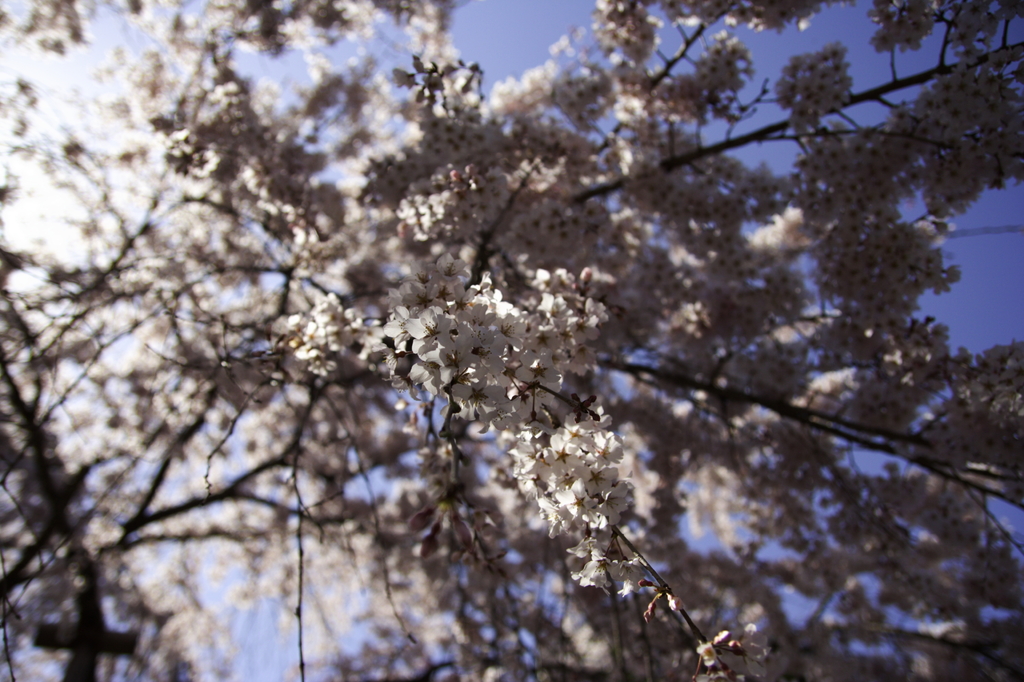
(455, 378)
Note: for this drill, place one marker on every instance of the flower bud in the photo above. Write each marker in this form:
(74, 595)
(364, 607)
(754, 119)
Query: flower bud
(649, 613)
(430, 543)
(463, 532)
(421, 519)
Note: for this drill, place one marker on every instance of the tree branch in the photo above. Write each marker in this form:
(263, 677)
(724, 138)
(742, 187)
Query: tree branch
(766, 132)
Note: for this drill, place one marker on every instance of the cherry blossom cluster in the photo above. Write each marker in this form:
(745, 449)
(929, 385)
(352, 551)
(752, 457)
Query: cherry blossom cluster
(434, 83)
(813, 84)
(584, 97)
(723, 70)
(902, 24)
(626, 29)
(439, 140)
(501, 363)
(329, 328)
(855, 261)
(984, 416)
(530, 92)
(548, 229)
(965, 139)
(455, 202)
(572, 476)
(503, 366)
(994, 382)
(758, 16)
(975, 22)
(712, 87)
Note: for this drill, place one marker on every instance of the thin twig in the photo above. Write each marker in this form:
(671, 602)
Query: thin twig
(385, 571)
(448, 435)
(980, 231)
(662, 584)
(6, 605)
(298, 539)
(999, 526)
(227, 435)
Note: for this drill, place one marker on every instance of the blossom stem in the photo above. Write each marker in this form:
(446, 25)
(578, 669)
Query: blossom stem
(447, 434)
(662, 584)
